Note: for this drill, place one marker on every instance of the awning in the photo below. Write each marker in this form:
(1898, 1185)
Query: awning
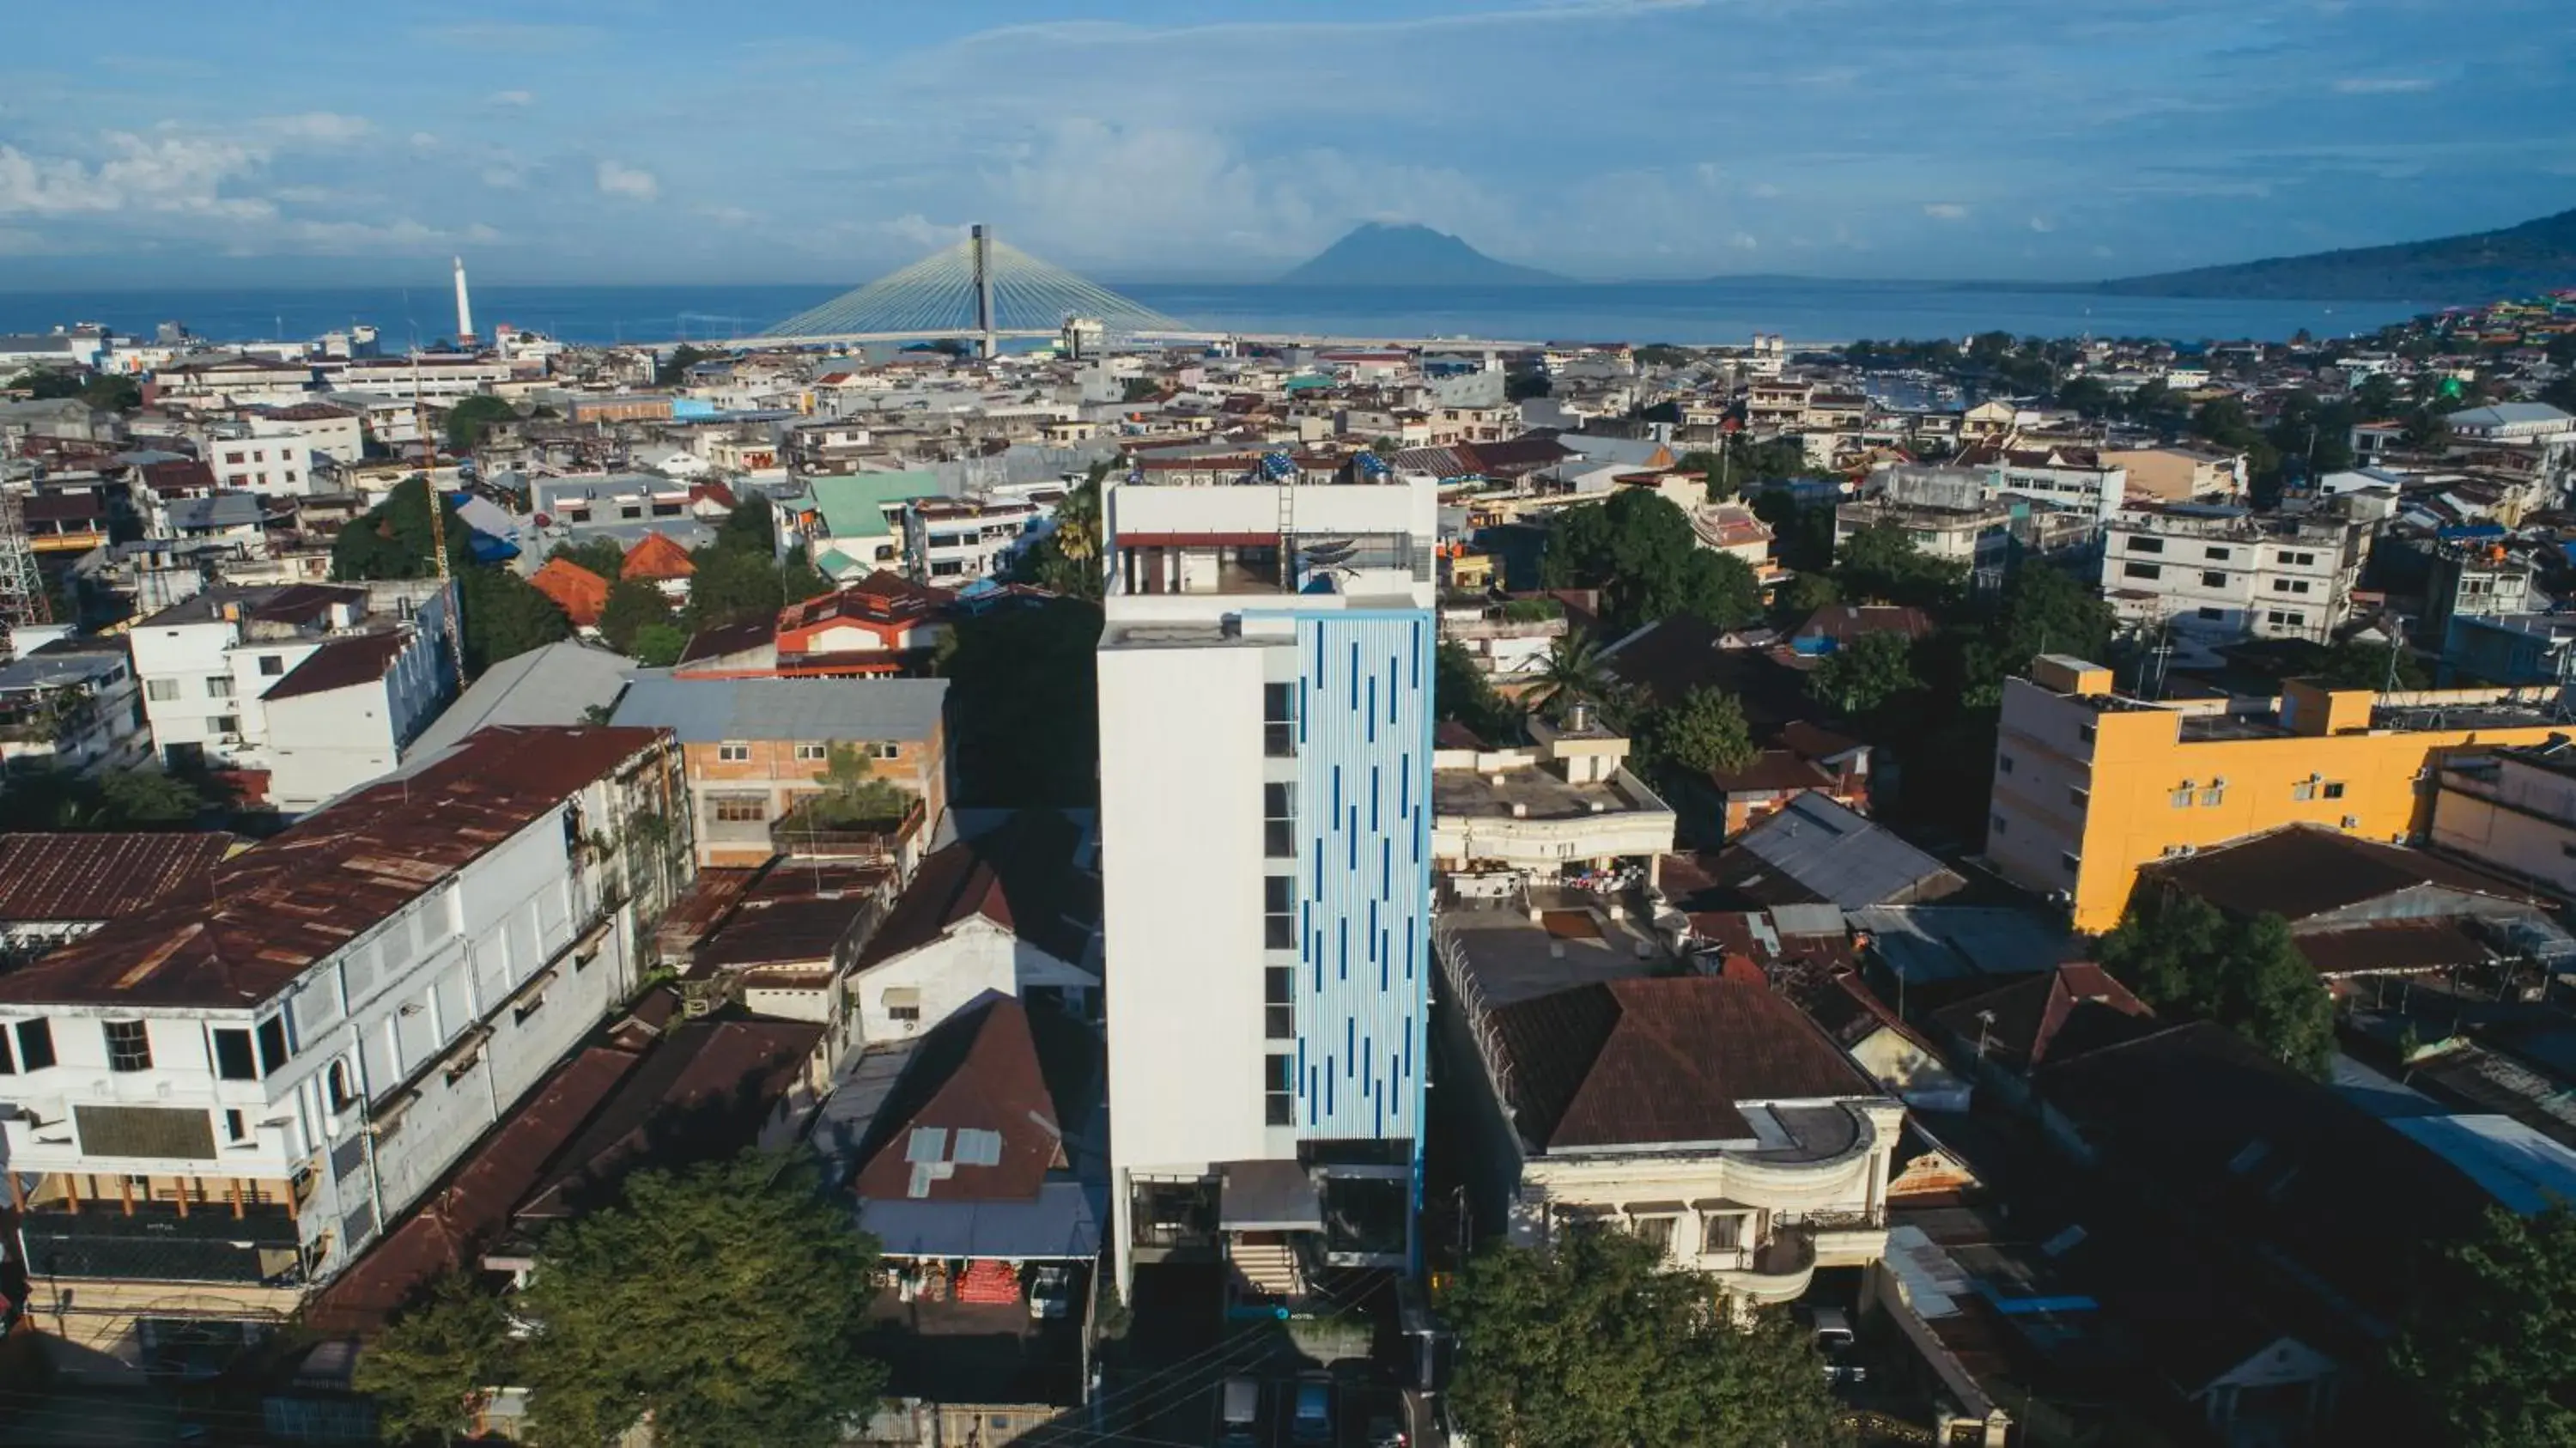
(1267, 1196)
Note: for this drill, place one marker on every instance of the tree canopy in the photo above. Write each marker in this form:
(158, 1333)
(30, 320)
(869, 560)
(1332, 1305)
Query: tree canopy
(1460, 692)
(764, 1346)
(1594, 1341)
(2182, 956)
(473, 418)
(430, 1371)
(1639, 550)
(1703, 732)
(1865, 673)
(393, 539)
(632, 605)
(1066, 558)
(503, 615)
(46, 798)
(1880, 564)
(2490, 1351)
(602, 556)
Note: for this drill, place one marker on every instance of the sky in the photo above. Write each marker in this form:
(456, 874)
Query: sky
(154, 143)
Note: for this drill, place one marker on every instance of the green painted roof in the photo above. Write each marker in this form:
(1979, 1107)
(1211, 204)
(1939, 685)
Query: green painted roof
(835, 564)
(853, 505)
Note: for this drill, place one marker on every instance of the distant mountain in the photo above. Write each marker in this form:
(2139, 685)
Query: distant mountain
(1382, 255)
(2491, 265)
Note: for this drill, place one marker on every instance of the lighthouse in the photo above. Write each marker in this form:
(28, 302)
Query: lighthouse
(464, 309)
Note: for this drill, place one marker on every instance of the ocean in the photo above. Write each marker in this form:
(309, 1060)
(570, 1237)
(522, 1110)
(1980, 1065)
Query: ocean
(1685, 312)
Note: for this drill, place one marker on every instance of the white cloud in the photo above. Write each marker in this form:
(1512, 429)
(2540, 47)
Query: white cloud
(2042, 223)
(162, 174)
(2381, 85)
(517, 99)
(1114, 32)
(313, 128)
(504, 178)
(509, 35)
(1764, 192)
(728, 215)
(423, 141)
(1743, 241)
(1946, 211)
(617, 179)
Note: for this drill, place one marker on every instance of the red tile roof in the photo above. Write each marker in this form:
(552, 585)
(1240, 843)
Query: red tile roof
(879, 598)
(654, 558)
(580, 593)
(285, 905)
(67, 877)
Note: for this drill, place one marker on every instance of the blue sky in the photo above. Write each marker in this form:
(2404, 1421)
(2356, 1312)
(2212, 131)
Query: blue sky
(155, 143)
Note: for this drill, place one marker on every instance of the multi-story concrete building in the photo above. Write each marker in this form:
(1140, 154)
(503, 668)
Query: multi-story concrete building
(2217, 573)
(1947, 513)
(2474, 579)
(313, 685)
(756, 748)
(275, 464)
(220, 1098)
(2090, 785)
(952, 542)
(1266, 813)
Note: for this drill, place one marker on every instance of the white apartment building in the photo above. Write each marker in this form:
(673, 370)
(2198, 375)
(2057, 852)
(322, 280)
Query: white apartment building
(952, 542)
(1265, 726)
(2215, 573)
(233, 380)
(275, 464)
(428, 374)
(311, 684)
(217, 1102)
(337, 433)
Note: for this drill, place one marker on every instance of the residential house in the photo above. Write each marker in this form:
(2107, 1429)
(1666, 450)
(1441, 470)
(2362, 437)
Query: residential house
(1013, 908)
(580, 593)
(952, 542)
(75, 705)
(852, 524)
(757, 747)
(220, 1100)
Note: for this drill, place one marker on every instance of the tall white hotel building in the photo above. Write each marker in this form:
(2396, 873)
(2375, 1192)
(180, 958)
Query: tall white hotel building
(1265, 758)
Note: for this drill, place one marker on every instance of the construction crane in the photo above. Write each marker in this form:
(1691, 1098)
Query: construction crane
(448, 602)
(22, 586)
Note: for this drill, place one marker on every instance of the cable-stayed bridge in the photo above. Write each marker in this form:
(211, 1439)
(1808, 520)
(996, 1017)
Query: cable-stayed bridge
(981, 288)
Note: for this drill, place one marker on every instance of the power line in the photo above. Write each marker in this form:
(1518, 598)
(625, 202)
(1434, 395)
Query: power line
(937, 295)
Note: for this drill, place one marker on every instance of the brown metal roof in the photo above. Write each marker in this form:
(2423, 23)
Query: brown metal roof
(1634, 1062)
(978, 1071)
(2299, 871)
(67, 877)
(283, 906)
(1019, 875)
(359, 659)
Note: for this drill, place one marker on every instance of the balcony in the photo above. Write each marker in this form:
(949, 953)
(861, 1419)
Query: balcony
(154, 1242)
(1777, 1271)
(815, 828)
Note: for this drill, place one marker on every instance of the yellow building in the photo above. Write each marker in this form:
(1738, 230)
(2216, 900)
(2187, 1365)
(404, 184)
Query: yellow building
(2090, 785)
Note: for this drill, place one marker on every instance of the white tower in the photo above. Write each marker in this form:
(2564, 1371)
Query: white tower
(464, 309)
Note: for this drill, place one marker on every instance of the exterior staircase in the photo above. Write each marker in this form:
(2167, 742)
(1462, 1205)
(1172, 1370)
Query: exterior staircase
(1268, 1268)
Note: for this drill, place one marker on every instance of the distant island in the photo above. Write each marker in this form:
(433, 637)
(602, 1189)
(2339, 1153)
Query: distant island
(2536, 256)
(1380, 254)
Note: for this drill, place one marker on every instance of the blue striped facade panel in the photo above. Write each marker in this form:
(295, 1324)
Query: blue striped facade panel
(1364, 783)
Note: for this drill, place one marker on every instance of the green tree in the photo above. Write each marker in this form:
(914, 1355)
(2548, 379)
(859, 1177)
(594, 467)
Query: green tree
(2357, 664)
(799, 579)
(143, 799)
(1639, 550)
(2043, 611)
(1881, 563)
(732, 586)
(1704, 732)
(47, 384)
(658, 645)
(764, 1347)
(750, 528)
(1800, 597)
(1574, 674)
(501, 616)
(1140, 389)
(602, 556)
(2182, 956)
(1066, 558)
(2490, 1350)
(852, 794)
(112, 392)
(1865, 673)
(430, 1371)
(1593, 1341)
(672, 370)
(1804, 532)
(393, 539)
(473, 418)
(1460, 692)
(632, 605)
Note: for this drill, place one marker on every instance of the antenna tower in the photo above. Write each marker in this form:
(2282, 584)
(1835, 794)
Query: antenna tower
(22, 587)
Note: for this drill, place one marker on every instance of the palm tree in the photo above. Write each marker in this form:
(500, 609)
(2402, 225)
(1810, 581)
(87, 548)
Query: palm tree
(1575, 674)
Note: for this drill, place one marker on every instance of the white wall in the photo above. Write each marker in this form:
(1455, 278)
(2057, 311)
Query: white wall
(1180, 816)
(950, 973)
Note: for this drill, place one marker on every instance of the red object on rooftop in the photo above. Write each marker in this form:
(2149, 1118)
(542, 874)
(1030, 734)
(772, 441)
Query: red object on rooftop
(989, 1281)
(654, 558)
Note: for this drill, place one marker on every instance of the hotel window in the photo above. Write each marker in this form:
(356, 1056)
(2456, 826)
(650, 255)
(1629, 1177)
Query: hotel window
(887, 750)
(2213, 580)
(233, 1058)
(219, 686)
(740, 809)
(35, 1044)
(272, 1044)
(160, 690)
(2142, 570)
(733, 752)
(1279, 1090)
(1279, 720)
(128, 1047)
(813, 753)
(337, 1087)
(1279, 1008)
(1278, 912)
(2213, 796)
(1278, 821)
(1655, 1232)
(2181, 798)
(2305, 789)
